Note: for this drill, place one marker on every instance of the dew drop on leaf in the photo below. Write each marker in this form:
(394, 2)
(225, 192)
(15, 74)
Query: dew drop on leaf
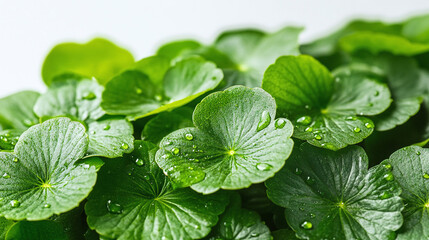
(175, 151)
(388, 176)
(139, 90)
(312, 215)
(15, 203)
(387, 166)
(47, 205)
(351, 118)
(426, 176)
(107, 127)
(356, 129)
(6, 175)
(114, 208)
(146, 177)
(310, 180)
(305, 120)
(309, 129)
(279, 123)
(139, 162)
(27, 122)
(317, 137)
(15, 160)
(124, 146)
(263, 167)
(418, 153)
(89, 96)
(264, 121)
(307, 225)
(189, 136)
(376, 93)
(369, 125)
(298, 171)
(385, 195)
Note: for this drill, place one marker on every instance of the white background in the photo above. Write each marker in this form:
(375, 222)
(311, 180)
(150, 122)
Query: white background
(29, 29)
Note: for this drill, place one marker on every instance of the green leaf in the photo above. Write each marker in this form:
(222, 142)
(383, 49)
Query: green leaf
(236, 142)
(71, 98)
(4, 227)
(253, 51)
(133, 199)
(410, 166)
(380, 42)
(417, 29)
(97, 58)
(42, 230)
(328, 113)
(41, 178)
(110, 137)
(284, 234)
(154, 67)
(239, 223)
(133, 94)
(167, 122)
(175, 49)
(9, 138)
(331, 195)
(16, 110)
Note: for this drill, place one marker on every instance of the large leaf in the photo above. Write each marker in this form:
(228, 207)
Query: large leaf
(253, 51)
(98, 58)
(236, 142)
(328, 113)
(16, 110)
(239, 223)
(333, 195)
(42, 230)
(41, 178)
(108, 136)
(135, 95)
(410, 166)
(133, 199)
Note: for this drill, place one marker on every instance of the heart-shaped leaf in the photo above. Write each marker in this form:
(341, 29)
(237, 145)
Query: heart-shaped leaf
(108, 137)
(98, 58)
(253, 51)
(36, 231)
(133, 199)
(135, 95)
(236, 142)
(327, 111)
(16, 110)
(410, 167)
(41, 178)
(238, 223)
(333, 195)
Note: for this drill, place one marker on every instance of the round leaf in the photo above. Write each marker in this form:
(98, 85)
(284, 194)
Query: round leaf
(236, 142)
(134, 199)
(327, 112)
(332, 195)
(98, 58)
(42, 179)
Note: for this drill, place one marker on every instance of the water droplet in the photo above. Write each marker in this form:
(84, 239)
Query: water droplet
(376, 93)
(139, 162)
(189, 136)
(263, 167)
(387, 166)
(15, 203)
(158, 98)
(27, 122)
(167, 143)
(264, 121)
(124, 146)
(307, 225)
(385, 195)
(312, 215)
(370, 104)
(175, 151)
(6, 175)
(139, 91)
(426, 176)
(356, 129)
(310, 180)
(351, 118)
(298, 171)
(107, 127)
(254, 234)
(146, 177)
(369, 125)
(114, 208)
(89, 96)
(47, 205)
(15, 160)
(86, 166)
(418, 153)
(280, 123)
(309, 129)
(92, 132)
(317, 137)
(305, 120)
(388, 176)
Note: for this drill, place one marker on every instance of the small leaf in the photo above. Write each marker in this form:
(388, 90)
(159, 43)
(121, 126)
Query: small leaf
(137, 201)
(332, 195)
(410, 167)
(175, 49)
(9, 138)
(98, 58)
(236, 142)
(238, 223)
(327, 112)
(42, 230)
(135, 95)
(16, 110)
(42, 178)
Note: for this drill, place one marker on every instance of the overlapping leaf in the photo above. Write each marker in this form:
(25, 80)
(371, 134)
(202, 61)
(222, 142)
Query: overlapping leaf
(16, 110)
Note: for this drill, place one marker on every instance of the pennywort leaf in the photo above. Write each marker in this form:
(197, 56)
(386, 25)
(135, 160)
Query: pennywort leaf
(331, 195)
(41, 178)
(236, 141)
(328, 111)
(36, 230)
(134, 199)
(16, 110)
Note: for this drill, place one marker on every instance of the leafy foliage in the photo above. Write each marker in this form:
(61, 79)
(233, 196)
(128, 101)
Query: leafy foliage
(185, 144)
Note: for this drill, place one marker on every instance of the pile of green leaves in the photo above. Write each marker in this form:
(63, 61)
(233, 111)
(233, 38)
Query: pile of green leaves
(253, 136)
